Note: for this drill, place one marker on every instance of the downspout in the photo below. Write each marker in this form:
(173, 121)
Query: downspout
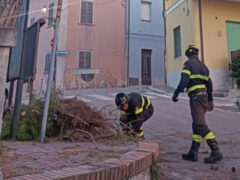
(128, 40)
(201, 29)
(165, 41)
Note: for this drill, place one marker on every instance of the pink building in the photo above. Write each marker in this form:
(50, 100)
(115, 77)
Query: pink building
(93, 32)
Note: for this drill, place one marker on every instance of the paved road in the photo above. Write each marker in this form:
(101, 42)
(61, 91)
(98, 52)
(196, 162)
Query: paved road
(170, 127)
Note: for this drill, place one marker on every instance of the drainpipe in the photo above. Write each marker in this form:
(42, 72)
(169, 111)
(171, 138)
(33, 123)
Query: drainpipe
(165, 40)
(128, 40)
(201, 29)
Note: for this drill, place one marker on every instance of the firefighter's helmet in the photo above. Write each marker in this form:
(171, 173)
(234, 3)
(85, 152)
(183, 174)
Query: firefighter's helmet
(191, 50)
(121, 99)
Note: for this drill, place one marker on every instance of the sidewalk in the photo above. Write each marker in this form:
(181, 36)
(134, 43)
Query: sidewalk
(218, 101)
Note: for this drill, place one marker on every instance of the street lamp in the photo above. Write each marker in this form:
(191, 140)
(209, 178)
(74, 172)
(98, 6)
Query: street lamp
(44, 11)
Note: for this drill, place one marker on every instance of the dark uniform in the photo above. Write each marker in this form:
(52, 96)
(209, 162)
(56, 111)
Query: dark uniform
(196, 79)
(140, 109)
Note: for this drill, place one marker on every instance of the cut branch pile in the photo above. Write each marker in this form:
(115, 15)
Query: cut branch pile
(80, 122)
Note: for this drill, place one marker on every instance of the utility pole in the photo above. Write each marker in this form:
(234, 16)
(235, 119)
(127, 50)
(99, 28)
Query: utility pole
(50, 75)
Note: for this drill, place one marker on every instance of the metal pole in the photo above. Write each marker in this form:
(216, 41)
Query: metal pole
(50, 75)
(19, 89)
(49, 84)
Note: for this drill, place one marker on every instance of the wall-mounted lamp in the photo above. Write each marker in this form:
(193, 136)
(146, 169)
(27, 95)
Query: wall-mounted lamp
(44, 11)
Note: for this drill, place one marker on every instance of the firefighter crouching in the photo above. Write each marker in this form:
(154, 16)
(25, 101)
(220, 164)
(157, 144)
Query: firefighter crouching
(135, 110)
(196, 79)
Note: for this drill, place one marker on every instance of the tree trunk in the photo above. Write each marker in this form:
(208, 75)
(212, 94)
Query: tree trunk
(9, 11)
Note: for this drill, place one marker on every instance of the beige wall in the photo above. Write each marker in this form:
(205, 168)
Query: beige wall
(169, 3)
(215, 14)
(175, 18)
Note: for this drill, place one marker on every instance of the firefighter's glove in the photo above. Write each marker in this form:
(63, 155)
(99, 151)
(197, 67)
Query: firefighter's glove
(210, 105)
(175, 97)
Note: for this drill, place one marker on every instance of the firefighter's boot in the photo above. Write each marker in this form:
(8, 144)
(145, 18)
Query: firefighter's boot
(192, 155)
(215, 155)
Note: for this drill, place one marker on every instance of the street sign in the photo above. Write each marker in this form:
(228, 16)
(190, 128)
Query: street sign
(63, 53)
(51, 43)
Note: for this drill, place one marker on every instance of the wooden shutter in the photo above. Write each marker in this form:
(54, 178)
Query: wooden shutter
(47, 63)
(81, 60)
(86, 12)
(145, 11)
(50, 14)
(89, 12)
(177, 42)
(88, 59)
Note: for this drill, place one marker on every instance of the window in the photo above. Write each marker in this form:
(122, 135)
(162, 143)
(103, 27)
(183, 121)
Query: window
(177, 41)
(50, 14)
(86, 12)
(84, 60)
(47, 63)
(145, 11)
(32, 21)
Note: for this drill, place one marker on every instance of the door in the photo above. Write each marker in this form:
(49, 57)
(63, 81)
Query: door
(146, 67)
(233, 37)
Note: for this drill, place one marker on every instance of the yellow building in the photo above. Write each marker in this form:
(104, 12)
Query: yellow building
(213, 26)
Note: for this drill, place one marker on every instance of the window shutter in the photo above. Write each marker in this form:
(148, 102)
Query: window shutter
(86, 12)
(83, 12)
(50, 14)
(89, 12)
(177, 41)
(145, 8)
(47, 63)
(88, 59)
(81, 60)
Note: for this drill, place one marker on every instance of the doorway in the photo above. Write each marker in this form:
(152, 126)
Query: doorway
(146, 67)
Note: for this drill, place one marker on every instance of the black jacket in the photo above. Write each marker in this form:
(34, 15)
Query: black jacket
(195, 77)
(137, 105)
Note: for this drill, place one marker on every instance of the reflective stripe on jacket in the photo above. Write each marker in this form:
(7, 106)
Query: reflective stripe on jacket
(195, 76)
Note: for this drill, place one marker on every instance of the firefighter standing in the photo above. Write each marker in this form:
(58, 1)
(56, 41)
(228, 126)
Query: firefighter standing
(135, 109)
(196, 79)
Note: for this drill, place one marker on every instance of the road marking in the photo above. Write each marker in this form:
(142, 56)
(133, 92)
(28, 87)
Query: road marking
(114, 94)
(105, 98)
(84, 99)
(148, 96)
(158, 90)
(156, 94)
(68, 97)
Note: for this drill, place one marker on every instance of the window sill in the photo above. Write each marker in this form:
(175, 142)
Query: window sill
(145, 20)
(177, 57)
(86, 24)
(86, 71)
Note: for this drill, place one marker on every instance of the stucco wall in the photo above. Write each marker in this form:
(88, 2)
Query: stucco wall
(147, 35)
(215, 14)
(45, 36)
(178, 17)
(169, 3)
(105, 39)
(62, 40)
